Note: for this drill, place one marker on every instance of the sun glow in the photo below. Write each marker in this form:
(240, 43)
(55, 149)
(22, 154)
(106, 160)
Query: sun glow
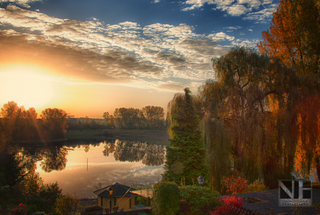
(28, 86)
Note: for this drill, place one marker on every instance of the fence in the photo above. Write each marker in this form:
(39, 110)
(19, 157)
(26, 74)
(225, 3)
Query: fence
(244, 211)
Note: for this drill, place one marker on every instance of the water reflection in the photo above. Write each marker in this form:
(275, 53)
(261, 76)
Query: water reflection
(134, 151)
(79, 165)
(154, 155)
(109, 148)
(54, 159)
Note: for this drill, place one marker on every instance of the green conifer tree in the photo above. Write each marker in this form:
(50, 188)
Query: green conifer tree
(186, 156)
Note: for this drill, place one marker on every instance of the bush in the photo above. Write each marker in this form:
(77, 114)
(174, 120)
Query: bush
(44, 199)
(256, 186)
(67, 205)
(200, 199)
(20, 210)
(166, 196)
(234, 184)
(93, 208)
(229, 203)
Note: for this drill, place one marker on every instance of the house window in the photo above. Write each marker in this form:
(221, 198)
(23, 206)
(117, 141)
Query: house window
(115, 201)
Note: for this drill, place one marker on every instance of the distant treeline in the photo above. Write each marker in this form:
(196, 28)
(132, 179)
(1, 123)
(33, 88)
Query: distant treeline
(85, 123)
(149, 117)
(18, 124)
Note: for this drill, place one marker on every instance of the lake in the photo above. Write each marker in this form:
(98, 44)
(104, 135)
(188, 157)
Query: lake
(79, 167)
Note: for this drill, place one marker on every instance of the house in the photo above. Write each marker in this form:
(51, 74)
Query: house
(121, 196)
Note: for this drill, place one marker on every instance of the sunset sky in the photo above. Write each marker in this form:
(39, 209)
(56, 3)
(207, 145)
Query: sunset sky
(88, 57)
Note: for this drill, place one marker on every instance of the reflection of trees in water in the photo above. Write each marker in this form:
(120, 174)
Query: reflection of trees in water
(54, 159)
(130, 151)
(136, 151)
(154, 155)
(108, 148)
(86, 148)
(29, 157)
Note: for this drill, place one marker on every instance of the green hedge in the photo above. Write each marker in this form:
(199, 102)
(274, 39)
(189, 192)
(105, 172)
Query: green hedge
(166, 197)
(200, 199)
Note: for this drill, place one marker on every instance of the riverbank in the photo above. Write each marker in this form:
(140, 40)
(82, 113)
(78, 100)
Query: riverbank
(146, 135)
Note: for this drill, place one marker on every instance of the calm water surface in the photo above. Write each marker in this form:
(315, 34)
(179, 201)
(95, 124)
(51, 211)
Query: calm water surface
(79, 167)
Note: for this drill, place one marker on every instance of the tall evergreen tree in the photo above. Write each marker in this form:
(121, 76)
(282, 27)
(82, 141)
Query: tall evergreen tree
(186, 156)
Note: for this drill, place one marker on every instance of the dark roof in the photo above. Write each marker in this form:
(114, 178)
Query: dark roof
(139, 206)
(118, 191)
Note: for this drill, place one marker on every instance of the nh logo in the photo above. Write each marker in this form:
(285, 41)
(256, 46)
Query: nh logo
(292, 193)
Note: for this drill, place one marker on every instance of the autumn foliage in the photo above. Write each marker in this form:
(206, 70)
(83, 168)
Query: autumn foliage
(19, 210)
(294, 35)
(229, 203)
(308, 133)
(235, 184)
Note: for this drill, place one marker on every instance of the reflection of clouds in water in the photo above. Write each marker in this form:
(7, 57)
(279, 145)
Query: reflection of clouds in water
(80, 182)
(148, 171)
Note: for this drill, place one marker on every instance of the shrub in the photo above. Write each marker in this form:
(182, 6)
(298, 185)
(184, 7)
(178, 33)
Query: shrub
(200, 199)
(93, 208)
(256, 186)
(234, 184)
(166, 196)
(67, 205)
(44, 199)
(229, 203)
(20, 210)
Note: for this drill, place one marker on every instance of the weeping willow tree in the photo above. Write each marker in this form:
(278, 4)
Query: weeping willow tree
(218, 145)
(293, 38)
(186, 156)
(249, 113)
(308, 133)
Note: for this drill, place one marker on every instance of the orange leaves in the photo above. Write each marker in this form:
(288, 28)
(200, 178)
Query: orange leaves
(293, 35)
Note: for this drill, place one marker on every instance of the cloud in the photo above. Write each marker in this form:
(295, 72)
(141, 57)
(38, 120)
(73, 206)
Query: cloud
(251, 3)
(220, 36)
(156, 1)
(262, 16)
(23, 3)
(250, 8)
(250, 43)
(236, 10)
(195, 4)
(123, 53)
(232, 28)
